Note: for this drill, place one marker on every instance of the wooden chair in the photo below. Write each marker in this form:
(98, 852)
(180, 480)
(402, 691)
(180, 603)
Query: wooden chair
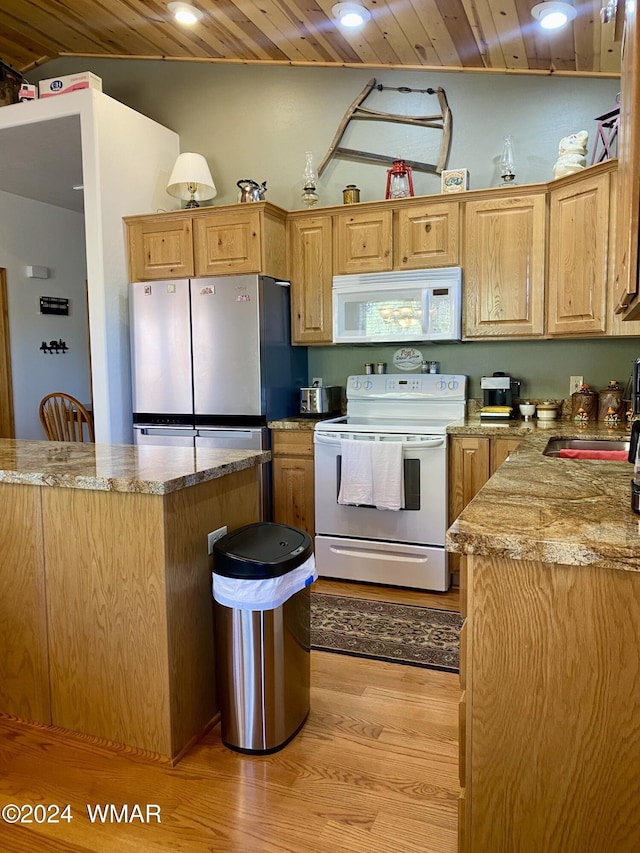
(63, 418)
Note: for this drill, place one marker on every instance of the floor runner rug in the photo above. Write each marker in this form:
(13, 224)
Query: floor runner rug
(402, 633)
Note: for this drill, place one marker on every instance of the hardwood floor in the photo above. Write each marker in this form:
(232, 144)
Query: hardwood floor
(374, 769)
(440, 600)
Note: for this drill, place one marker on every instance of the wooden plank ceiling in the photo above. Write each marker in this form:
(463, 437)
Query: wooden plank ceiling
(478, 35)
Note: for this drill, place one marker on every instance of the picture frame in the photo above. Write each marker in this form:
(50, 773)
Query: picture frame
(454, 180)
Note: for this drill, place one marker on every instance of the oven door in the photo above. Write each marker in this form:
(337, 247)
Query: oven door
(423, 518)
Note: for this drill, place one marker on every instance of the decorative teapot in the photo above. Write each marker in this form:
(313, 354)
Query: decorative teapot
(251, 190)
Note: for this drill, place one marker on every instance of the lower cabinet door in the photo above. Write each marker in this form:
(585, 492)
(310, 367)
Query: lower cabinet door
(293, 499)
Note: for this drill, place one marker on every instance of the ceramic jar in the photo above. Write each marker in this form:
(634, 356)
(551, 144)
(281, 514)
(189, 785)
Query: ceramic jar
(547, 411)
(584, 403)
(611, 398)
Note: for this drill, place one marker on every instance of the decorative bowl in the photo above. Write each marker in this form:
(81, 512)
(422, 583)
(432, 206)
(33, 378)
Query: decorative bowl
(527, 410)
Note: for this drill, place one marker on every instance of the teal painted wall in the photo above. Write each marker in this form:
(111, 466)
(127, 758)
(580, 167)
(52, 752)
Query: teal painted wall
(257, 122)
(544, 367)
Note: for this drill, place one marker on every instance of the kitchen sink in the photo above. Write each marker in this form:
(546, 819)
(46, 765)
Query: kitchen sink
(555, 445)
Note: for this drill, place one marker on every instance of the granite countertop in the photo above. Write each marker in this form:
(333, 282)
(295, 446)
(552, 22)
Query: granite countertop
(152, 470)
(301, 422)
(567, 511)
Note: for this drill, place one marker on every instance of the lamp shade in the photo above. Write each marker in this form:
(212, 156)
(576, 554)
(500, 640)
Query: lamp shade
(191, 179)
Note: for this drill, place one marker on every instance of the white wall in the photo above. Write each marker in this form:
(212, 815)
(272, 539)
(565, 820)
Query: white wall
(126, 162)
(32, 233)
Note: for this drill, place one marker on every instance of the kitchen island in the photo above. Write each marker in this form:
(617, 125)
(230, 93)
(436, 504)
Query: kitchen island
(106, 614)
(550, 663)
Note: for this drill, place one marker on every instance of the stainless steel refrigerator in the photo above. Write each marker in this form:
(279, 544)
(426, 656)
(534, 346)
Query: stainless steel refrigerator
(212, 362)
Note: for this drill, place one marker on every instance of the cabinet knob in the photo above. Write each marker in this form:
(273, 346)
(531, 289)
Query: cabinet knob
(427, 227)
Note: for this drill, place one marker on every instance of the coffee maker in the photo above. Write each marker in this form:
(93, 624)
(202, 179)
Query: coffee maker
(499, 393)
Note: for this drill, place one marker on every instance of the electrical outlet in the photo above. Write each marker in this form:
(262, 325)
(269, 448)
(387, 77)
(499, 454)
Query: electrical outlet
(575, 382)
(214, 536)
(317, 381)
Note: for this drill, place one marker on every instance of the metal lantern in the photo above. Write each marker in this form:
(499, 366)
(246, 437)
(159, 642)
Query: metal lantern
(399, 180)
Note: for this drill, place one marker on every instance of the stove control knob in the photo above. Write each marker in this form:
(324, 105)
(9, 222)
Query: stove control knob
(368, 384)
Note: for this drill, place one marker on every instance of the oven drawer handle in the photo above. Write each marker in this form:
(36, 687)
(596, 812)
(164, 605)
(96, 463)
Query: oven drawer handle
(377, 555)
(336, 439)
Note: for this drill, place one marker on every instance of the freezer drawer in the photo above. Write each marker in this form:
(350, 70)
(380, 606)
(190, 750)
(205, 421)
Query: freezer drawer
(164, 436)
(235, 438)
(238, 438)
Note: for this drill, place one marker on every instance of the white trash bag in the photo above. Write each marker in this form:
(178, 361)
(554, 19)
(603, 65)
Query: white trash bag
(263, 593)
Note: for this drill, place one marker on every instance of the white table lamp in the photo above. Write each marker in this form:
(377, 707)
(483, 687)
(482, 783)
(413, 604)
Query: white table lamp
(191, 180)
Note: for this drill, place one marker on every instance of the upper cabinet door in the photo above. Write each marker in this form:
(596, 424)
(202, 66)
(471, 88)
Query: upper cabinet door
(309, 249)
(159, 248)
(427, 236)
(629, 166)
(362, 242)
(578, 257)
(504, 257)
(228, 242)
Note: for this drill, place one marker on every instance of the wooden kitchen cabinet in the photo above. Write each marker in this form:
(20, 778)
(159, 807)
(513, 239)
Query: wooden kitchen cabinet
(129, 618)
(501, 447)
(375, 237)
(579, 254)
(243, 238)
(24, 663)
(583, 223)
(309, 249)
(229, 240)
(160, 247)
(503, 265)
(550, 708)
(472, 460)
(293, 478)
(628, 196)
(427, 235)
(362, 241)
(469, 470)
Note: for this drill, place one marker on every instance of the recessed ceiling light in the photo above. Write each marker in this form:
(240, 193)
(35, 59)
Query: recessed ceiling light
(553, 15)
(350, 14)
(184, 13)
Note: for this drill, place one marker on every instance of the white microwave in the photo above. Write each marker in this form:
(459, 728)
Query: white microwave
(404, 305)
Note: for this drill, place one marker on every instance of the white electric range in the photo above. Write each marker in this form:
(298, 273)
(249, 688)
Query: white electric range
(403, 547)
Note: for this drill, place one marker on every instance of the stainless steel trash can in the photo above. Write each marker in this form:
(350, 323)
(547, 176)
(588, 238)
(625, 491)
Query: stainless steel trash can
(262, 655)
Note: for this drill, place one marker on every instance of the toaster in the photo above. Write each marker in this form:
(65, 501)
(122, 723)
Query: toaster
(320, 400)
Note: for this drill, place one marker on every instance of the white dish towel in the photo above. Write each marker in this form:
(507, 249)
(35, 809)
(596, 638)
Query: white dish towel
(356, 476)
(388, 475)
(372, 474)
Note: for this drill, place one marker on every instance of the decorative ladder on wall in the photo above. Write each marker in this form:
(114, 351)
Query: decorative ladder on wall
(606, 134)
(440, 121)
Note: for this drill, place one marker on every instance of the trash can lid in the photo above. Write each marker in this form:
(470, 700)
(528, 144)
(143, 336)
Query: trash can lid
(261, 550)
